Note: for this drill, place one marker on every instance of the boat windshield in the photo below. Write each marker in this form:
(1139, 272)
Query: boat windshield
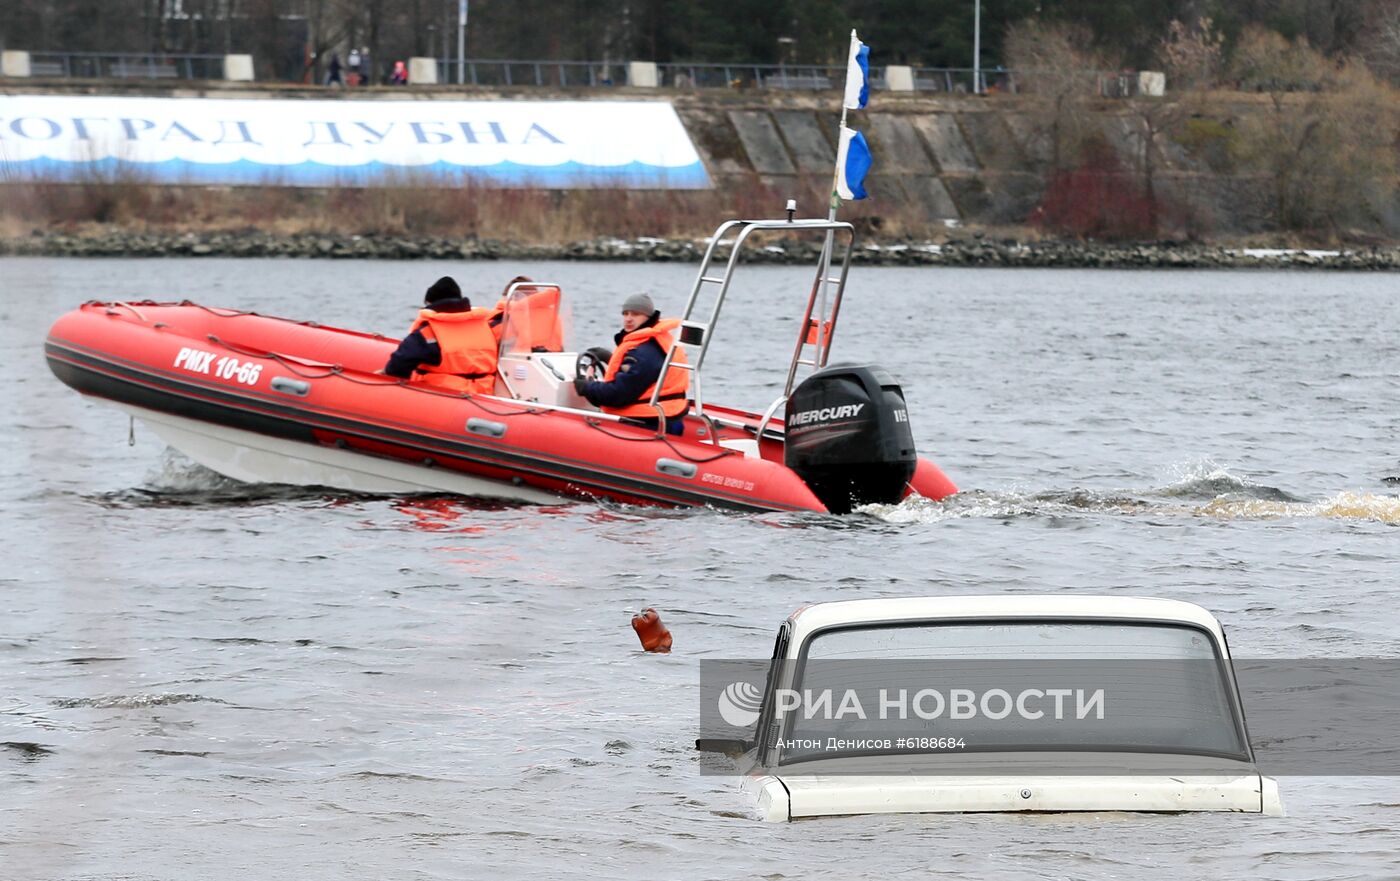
(533, 319)
(1016, 686)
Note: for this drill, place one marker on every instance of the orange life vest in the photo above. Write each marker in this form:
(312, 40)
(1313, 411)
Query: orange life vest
(469, 350)
(673, 386)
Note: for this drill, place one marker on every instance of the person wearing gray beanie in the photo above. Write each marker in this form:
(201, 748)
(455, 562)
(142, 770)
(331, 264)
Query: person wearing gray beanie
(634, 368)
(639, 303)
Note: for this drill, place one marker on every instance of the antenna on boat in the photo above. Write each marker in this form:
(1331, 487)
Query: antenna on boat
(791, 208)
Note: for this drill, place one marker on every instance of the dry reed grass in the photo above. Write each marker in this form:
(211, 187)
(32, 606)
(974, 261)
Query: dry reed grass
(414, 207)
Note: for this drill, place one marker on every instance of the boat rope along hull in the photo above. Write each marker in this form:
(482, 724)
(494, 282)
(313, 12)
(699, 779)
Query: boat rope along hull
(508, 470)
(353, 430)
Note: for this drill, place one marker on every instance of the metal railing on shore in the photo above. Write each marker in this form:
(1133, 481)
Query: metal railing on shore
(1104, 83)
(954, 80)
(604, 74)
(508, 72)
(126, 65)
(512, 72)
(799, 77)
(759, 76)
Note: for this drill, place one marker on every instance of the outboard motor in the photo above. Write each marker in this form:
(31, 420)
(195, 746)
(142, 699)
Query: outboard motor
(848, 437)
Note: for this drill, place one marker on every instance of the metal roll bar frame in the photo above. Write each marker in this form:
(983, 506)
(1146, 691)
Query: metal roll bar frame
(696, 334)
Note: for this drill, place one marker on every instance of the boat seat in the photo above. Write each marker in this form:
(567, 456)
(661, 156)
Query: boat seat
(746, 445)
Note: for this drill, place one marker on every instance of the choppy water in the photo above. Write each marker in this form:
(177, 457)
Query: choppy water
(205, 680)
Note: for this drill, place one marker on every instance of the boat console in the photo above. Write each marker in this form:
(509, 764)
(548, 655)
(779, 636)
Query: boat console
(540, 378)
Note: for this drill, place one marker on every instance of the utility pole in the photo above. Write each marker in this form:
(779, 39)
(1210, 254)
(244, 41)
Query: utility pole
(977, 47)
(461, 41)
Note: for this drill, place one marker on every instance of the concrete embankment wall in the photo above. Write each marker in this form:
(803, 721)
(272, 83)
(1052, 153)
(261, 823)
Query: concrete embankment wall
(974, 160)
(958, 160)
(988, 160)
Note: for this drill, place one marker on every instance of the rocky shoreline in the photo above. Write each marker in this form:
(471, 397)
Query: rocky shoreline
(974, 249)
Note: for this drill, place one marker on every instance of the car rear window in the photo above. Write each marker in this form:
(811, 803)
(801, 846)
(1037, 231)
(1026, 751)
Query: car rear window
(1023, 686)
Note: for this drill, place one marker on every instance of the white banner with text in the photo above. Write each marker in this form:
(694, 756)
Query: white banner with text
(315, 143)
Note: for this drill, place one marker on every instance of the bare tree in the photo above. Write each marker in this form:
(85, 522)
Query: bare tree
(1191, 54)
(374, 10)
(1382, 48)
(418, 27)
(1325, 136)
(316, 40)
(1054, 60)
(1153, 120)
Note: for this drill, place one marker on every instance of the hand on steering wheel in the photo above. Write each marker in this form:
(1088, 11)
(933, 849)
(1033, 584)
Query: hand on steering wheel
(592, 364)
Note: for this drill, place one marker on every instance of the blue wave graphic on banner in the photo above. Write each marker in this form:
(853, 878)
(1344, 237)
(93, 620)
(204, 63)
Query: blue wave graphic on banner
(634, 175)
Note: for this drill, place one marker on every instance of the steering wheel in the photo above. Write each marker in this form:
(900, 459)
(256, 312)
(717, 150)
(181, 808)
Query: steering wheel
(589, 366)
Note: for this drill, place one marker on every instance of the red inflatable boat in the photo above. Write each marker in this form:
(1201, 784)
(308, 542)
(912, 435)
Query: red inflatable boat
(265, 399)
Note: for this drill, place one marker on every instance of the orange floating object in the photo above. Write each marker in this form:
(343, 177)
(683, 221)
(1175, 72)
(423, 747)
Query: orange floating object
(653, 634)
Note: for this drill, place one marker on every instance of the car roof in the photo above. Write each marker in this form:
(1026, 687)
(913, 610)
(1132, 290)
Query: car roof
(820, 616)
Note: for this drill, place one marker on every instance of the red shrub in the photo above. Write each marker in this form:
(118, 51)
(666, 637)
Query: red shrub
(1098, 200)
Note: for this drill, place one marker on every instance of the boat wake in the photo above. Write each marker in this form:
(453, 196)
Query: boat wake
(1342, 506)
(1203, 489)
(132, 701)
(1205, 479)
(177, 474)
(979, 504)
(179, 481)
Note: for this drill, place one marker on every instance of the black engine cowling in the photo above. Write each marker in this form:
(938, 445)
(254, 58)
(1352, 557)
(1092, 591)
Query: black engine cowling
(848, 437)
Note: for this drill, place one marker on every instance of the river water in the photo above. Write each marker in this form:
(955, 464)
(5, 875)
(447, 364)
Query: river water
(205, 680)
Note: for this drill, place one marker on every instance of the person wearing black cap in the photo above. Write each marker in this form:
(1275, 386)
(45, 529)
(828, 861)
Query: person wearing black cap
(634, 369)
(450, 345)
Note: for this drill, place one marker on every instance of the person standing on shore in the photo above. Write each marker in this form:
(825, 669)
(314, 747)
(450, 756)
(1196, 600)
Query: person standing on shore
(333, 78)
(354, 61)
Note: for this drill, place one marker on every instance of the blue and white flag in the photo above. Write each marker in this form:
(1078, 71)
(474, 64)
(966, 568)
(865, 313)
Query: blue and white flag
(857, 75)
(852, 163)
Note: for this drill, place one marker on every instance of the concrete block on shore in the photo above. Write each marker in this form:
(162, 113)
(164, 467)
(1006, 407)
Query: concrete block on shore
(1152, 83)
(897, 146)
(899, 78)
(14, 62)
(238, 68)
(814, 154)
(946, 141)
(642, 74)
(422, 71)
(760, 138)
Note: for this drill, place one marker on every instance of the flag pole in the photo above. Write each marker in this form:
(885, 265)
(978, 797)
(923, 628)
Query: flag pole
(829, 244)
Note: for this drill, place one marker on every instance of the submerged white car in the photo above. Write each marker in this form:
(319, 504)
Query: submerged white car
(1006, 703)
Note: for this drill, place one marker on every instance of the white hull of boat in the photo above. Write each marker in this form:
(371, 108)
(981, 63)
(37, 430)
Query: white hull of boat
(256, 458)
